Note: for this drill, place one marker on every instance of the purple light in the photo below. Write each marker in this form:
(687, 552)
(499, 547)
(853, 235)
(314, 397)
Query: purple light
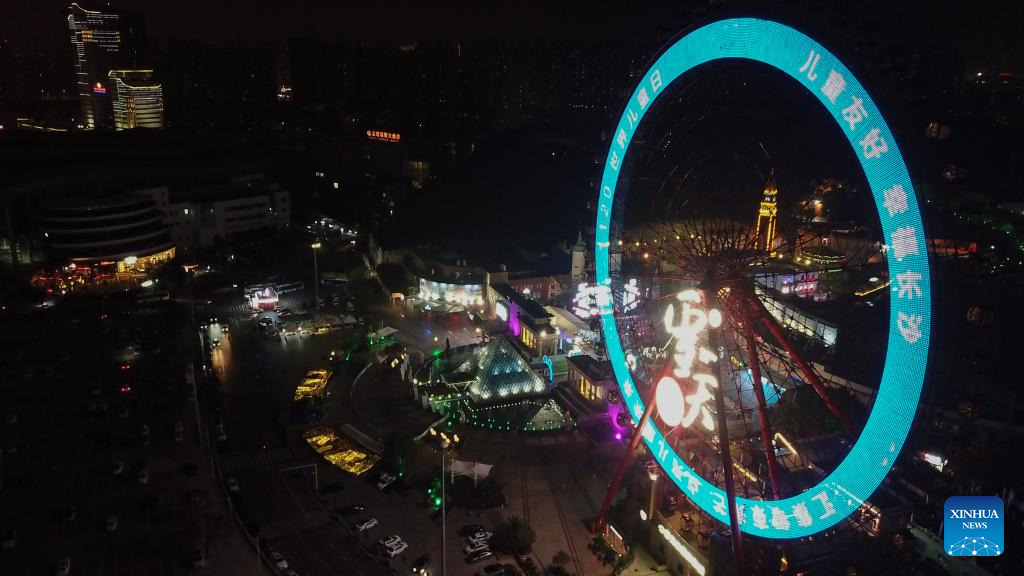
(618, 435)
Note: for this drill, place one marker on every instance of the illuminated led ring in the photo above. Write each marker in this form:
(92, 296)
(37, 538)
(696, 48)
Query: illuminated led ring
(870, 459)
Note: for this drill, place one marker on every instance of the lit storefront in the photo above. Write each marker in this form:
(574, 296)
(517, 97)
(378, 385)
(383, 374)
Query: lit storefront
(94, 242)
(464, 294)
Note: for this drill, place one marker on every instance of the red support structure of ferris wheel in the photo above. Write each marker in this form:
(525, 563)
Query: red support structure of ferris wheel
(613, 488)
(766, 318)
(723, 442)
(762, 408)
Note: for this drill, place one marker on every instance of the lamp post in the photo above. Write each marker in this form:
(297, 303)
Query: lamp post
(316, 275)
(446, 446)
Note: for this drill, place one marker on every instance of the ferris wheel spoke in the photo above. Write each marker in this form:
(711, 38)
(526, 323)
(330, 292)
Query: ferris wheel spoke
(767, 438)
(757, 308)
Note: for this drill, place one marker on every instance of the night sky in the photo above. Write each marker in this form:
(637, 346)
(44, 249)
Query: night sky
(985, 31)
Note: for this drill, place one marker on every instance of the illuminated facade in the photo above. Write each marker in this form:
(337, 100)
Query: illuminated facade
(96, 43)
(767, 213)
(128, 231)
(592, 379)
(138, 102)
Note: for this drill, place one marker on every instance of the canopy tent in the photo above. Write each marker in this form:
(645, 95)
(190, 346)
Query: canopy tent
(382, 333)
(474, 470)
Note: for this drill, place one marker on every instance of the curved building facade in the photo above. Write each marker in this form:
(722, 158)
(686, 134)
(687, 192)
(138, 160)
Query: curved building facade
(123, 231)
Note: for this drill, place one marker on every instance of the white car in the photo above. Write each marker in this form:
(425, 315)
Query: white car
(390, 541)
(396, 549)
(366, 524)
(385, 481)
(111, 525)
(474, 548)
(63, 567)
(278, 560)
(479, 537)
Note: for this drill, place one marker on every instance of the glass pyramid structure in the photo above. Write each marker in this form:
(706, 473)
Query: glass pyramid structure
(496, 371)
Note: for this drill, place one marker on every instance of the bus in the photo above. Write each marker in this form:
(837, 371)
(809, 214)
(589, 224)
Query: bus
(290, 287)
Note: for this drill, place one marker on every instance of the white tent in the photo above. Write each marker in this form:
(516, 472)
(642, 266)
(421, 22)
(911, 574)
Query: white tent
(474, 470)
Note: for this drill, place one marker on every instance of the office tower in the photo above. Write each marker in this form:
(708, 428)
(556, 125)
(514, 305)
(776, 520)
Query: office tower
(138, 101)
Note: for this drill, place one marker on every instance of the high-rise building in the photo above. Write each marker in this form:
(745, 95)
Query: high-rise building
(138, 101)
(96, 42)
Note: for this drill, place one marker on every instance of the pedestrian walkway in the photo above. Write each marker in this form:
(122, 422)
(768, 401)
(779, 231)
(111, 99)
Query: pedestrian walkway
(262, 459)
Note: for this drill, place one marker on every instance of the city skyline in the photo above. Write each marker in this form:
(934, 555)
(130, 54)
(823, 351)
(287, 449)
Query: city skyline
(707, 288)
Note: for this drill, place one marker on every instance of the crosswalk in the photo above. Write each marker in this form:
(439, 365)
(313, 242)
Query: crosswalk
(253, 460)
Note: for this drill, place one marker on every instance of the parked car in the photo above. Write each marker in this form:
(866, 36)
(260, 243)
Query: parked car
(232, 483)
(473, 548)
(111, 524)
(198, 558)
(143, 476)
(482, 536)
(366, 524)
(117, 468)
(396, 549)
(351, 509)
(63, 567)
(278, 560)
(492, 570)
(421, 564)
(478, 556)
(470, 529)
(390, 541)
(386, 480)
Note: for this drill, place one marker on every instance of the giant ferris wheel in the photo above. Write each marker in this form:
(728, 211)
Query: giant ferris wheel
(709, 344)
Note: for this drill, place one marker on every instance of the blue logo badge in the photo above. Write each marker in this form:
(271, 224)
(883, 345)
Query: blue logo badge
(974, 526)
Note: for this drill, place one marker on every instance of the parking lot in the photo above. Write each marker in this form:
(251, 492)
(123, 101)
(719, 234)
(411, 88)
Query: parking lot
(99, 440)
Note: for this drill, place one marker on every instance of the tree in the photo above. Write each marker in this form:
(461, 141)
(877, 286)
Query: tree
(514, 536)
(199, 521)
(561, 558)
(399, 450)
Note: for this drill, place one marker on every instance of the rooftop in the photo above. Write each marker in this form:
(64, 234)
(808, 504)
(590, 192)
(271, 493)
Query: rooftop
(594, 369)
(530, 307)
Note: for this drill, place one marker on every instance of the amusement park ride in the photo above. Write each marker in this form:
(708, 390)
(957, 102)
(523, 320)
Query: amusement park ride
(701, 361)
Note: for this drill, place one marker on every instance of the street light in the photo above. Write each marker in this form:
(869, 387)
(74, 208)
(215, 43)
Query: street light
(316, 275)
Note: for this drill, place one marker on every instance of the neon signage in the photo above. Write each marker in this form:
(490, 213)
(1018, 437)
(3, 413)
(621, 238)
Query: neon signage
(383, 136)
(584, 303)
(630, 295)
(674, 408)
(859, 119)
